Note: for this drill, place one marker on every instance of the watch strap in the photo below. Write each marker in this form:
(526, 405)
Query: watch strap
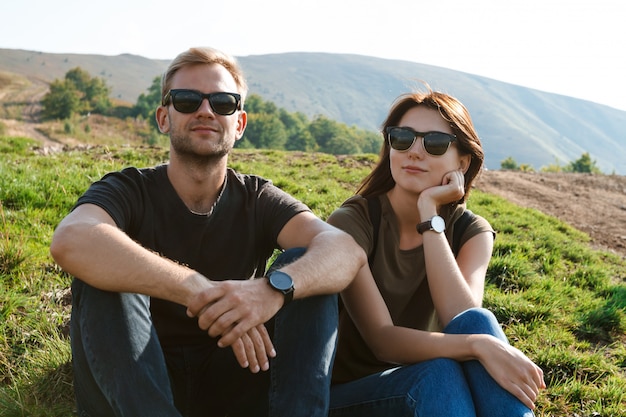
(430, 225)
(424, 227)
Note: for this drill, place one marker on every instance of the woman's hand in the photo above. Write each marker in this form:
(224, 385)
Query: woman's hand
(510, 368)
(451, 189)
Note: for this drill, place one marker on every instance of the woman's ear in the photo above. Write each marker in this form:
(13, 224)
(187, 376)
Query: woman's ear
(162, 119)
(464, 162)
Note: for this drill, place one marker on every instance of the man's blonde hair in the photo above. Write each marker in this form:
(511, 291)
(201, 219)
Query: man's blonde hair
(205, 55)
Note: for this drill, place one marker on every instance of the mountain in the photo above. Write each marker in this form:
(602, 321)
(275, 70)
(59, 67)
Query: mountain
(533, 127)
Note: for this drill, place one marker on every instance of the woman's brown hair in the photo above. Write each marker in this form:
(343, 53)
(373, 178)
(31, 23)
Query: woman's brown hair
(380, 180)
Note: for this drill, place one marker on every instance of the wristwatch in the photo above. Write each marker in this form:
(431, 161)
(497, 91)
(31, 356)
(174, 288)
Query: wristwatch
(436, 224)
(283, 283)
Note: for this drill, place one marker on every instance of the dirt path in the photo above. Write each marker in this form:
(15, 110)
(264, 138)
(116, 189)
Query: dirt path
(595, 204)
(28, 126)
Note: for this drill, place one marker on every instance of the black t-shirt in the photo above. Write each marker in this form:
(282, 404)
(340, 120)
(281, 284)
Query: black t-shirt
(234, 242)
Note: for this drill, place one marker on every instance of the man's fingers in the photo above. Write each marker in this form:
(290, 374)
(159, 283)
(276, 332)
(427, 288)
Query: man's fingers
(240, 353)
(223, 324)
(250, 353)
(250, 350)
(231, 335)
(267, 341)
(258, 349)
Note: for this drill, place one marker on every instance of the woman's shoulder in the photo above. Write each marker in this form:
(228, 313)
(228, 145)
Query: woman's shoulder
(353, 210)
(470, 222)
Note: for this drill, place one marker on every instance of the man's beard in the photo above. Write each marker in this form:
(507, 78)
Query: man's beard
(182, 146)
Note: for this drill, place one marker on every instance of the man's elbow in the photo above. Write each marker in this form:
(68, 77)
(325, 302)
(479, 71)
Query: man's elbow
(356, 252)
(61, 246)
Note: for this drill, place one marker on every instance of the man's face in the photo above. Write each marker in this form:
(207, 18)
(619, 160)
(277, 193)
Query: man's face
(202, 133)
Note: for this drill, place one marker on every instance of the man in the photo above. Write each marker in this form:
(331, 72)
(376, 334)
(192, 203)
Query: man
(166, 320)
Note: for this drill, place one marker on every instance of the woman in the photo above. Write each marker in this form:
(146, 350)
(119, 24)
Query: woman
(413, 338)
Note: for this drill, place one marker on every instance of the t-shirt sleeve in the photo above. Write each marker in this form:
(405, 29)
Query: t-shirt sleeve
(478, 225)
(277, 208)
(118, 193)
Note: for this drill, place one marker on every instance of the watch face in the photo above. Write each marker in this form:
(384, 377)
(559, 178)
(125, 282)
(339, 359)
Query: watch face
(438, 224)
(281, 281)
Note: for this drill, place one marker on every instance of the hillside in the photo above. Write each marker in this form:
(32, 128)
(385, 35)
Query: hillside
(533, 127)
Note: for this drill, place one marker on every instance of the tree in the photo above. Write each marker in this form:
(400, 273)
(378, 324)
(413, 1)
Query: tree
(79, 78)
(77, 93)
(299, 138)
(95, 93)
(324, 131)
(97, 96)
(584, 164)
(509, 163)
(61, 101)
(255, 104)
(265, 131)
(147, 103)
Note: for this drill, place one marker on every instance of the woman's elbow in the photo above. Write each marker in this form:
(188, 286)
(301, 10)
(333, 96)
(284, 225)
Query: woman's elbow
(383, 351)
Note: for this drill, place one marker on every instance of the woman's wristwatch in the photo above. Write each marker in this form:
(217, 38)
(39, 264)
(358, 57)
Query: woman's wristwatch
(436, 224)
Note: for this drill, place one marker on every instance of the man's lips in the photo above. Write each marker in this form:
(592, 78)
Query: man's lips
(203, 128)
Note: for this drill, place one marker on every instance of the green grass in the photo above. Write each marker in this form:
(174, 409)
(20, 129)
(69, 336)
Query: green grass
(559, 301)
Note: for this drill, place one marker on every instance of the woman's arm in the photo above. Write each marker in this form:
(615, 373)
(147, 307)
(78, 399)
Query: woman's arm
(400, 345)
(390, 343)
(457, 284)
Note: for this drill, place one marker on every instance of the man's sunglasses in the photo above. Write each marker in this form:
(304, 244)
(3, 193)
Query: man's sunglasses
(402, 138)
(188, 101)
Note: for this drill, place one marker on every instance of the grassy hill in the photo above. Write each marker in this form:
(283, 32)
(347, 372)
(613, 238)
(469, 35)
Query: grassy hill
(533, 127)
(560, 302)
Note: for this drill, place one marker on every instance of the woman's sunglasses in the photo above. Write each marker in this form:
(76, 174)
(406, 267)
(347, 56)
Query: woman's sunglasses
(188, 101)
(402, 138)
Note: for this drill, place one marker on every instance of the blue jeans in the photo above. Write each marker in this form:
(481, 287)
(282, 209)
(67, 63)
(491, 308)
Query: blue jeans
(121, 369)
(438, 387)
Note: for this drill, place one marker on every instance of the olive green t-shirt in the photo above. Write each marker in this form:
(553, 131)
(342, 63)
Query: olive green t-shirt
(399, 274)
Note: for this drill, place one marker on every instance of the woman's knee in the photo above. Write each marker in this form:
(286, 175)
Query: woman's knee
(475, 321)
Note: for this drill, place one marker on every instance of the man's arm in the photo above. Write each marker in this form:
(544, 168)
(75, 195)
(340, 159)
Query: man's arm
(89, 245)
(332, 259)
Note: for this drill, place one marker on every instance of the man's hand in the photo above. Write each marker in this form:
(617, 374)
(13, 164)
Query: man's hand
(254, 349)
(229, 309)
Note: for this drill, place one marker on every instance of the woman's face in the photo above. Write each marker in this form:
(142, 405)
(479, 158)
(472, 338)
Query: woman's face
(415, 170)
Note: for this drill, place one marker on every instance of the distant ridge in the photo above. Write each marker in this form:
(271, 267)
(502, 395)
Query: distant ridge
(534, 127)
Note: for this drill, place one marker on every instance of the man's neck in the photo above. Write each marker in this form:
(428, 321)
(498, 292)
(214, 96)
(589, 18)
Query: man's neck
(198, 185)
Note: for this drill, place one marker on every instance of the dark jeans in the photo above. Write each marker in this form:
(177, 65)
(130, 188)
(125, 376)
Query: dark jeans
(438, 387)
(120, 368)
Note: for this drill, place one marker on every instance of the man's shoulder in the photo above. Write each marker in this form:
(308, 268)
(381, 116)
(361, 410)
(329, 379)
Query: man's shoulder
(248, 181)
(130, 182)
(155, 173)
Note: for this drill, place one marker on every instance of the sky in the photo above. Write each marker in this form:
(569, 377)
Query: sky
(569, 47)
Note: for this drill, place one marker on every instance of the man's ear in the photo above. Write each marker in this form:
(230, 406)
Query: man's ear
(464, 162)
(162, 119)
(242, 122)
